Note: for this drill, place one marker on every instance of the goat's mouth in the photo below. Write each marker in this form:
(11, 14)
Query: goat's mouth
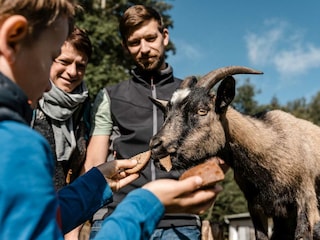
(178, 162)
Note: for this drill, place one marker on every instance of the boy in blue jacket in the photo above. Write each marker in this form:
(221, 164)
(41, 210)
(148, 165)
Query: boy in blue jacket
(31, 34)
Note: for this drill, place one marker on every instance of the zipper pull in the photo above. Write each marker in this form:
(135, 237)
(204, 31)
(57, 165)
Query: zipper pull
(151, 84)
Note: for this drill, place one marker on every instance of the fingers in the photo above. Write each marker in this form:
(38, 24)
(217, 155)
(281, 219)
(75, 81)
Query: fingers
(198, 197)
(122, 166)
(168, 190)
(124, 181)
(196, 202)
(189, 184)
(184, 196)
(126, 163)
(116, 184)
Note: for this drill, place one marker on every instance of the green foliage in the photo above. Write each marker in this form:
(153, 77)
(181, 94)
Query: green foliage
(244, 100)
(109, 63)
(313, 109)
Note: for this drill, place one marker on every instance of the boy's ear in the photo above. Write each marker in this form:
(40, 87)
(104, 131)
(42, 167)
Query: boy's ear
(12, 31)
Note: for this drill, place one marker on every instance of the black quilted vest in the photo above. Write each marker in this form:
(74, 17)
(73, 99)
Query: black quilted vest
(132, 115)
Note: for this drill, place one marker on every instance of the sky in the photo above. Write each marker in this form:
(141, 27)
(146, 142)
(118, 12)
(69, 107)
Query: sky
(280, 38)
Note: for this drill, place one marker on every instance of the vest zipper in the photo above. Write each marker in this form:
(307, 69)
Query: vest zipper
(154, 124)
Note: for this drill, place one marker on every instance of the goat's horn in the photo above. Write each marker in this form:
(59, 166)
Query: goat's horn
(213, 77)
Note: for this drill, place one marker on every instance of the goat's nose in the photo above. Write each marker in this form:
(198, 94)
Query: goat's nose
(157, 148)
(155, 143)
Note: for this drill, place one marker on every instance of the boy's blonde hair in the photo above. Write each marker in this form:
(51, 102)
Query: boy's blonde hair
(39, 13)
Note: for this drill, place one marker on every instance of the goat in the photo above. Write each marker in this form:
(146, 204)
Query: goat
(275, 156)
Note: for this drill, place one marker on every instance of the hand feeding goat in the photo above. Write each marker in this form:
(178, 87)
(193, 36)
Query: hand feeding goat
(275, 156)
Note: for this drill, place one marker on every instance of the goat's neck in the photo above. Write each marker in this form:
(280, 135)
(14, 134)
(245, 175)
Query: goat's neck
(249, 132)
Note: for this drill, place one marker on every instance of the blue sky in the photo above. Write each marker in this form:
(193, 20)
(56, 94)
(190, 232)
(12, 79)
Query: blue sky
(280, 38)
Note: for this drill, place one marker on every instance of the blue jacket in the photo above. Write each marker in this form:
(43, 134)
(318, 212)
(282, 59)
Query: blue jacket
(29, 206)
(135, 218)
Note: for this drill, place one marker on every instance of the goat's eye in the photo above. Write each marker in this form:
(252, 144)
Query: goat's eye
(202, 112)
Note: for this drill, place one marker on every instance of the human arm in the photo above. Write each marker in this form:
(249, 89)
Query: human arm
(97, 151)
(83, 197)
(139, 213)
(28, 198)
(79, 200)
(101, 127)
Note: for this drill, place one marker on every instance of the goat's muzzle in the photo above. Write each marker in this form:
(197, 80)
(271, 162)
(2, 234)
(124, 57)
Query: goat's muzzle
(159, 150)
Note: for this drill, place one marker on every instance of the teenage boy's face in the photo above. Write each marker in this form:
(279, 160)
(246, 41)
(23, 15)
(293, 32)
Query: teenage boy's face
(32, 64)
(147, 46)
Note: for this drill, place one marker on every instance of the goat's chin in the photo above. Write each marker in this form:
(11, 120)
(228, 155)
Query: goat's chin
(177, 163)
(181, 163)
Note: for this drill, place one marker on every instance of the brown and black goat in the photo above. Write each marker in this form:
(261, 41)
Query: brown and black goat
(275, 156)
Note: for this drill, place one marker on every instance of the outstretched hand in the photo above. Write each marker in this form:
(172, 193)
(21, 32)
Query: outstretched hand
(115, 175)
(183, 196)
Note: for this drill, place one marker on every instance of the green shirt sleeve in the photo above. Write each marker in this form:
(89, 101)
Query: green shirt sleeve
(101, 120)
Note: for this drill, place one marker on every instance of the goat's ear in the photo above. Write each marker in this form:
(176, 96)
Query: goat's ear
(225, 94)
(188, 82)
(161, 104)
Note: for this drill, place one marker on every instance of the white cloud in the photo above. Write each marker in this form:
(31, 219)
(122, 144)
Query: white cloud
(281, 47)
(261, 48)
(297, 60)
(187, 51)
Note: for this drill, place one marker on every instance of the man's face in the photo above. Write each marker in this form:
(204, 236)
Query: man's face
(147, 46)
(68, 69)
(33, 62)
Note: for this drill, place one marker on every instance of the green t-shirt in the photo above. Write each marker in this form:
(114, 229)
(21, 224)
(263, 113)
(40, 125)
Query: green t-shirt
(101, 121)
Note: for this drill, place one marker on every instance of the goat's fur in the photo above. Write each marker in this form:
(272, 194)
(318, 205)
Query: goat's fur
(275, 156)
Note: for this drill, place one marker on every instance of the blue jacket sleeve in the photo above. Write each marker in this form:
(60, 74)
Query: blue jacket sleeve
(135, 217)
(82, 198)
(28, 203)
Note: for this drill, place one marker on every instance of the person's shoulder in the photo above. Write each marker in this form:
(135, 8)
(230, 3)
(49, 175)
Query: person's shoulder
(23, 146)
(14, 127)
(19, 141)
(16, 132)
(178, 80)
(119, 89)
(118, 85)
(101, 97)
